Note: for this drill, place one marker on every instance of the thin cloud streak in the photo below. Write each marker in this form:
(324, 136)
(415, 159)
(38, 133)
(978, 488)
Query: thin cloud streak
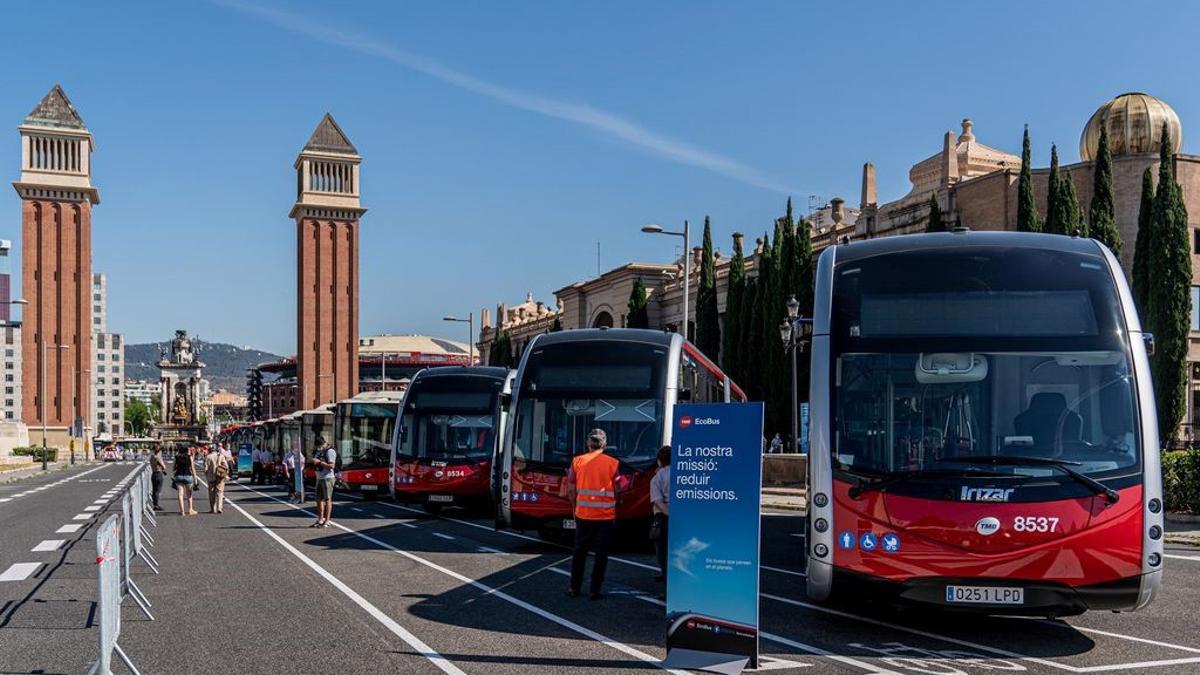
(593, 118)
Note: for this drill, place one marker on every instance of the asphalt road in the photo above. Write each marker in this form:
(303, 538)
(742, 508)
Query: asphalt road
(392, 589)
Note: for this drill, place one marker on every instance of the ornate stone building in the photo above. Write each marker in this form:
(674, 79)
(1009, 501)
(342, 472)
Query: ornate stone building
(978, 184)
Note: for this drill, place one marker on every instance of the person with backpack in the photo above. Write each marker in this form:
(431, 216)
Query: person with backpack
(183, 479)
(326, 461)
(216, 472)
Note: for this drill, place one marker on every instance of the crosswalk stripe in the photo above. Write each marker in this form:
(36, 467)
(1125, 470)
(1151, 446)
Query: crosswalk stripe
(48, 545)
(68, 529)
(19, 571)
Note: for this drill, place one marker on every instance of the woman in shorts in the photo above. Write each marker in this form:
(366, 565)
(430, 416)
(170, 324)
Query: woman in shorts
(184, 479)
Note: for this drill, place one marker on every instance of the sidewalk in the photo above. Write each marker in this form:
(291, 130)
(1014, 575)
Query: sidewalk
(784, 499)
(1182, 529)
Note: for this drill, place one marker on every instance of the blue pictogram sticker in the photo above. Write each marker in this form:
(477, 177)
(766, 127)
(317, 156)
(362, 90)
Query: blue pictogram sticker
(846, 540)
(868, 541)
(891, 542)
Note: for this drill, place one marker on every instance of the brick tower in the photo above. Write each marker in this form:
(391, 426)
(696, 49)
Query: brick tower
(327, 211)
(56, 262)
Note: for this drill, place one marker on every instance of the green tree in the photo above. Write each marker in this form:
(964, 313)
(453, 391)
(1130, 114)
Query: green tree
(1142, 246)
(1102, 218)
(708, 321)
(137, 416)
(1053, 225)
(1028, 219)
(1070, 219)
(1170, 294)
(735, 289)
(501, 352)
(638, 316)
(935, 223)
(757, 357)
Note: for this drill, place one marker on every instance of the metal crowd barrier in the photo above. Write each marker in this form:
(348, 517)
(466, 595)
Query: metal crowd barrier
(118, 541)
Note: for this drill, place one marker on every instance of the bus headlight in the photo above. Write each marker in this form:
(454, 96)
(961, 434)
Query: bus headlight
(1155, 505)
(821, 550)
(821, 500)
(820, 525)
(1154, 559)
(1155, 532)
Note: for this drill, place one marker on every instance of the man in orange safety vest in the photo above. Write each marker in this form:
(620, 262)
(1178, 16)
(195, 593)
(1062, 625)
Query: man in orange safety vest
(592, 489)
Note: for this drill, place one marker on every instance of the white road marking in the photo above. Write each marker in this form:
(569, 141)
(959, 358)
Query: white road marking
(1181, 557)
(1156, 643)
(399, 631)
(100, 501)
(68, 529)
(5, 499)
(83, 516)
(48, 545)
(377, 515)
(92, 508)
(493, 592)
(410, 525)
(443, 536)
(19, 571)
(489, 549)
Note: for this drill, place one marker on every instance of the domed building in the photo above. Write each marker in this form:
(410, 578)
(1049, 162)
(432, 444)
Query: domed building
(1134, 122)
(981, 193)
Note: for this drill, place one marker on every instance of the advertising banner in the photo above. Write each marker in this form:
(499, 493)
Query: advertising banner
(245, 461)
(713, 537)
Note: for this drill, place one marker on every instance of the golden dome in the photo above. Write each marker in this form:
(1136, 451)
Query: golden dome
(1134, 123)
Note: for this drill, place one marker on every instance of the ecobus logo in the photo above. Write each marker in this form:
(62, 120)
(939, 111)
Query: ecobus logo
(970, 494)
(687, 421)
(708, 421)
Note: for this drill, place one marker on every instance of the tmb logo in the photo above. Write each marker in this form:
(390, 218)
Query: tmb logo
(685, 421)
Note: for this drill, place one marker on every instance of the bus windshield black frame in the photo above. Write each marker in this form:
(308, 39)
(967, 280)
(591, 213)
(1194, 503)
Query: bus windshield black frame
(1053, 382)
(569, 388)
(455, 408)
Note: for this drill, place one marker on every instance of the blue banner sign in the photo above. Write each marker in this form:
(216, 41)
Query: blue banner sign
(245, 459)
(712, 575)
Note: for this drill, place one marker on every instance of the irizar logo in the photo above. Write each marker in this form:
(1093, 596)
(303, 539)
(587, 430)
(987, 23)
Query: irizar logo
(970, 494)
(988, 526)
(707, 421)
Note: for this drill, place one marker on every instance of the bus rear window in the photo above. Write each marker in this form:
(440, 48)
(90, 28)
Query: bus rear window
(1011, 313)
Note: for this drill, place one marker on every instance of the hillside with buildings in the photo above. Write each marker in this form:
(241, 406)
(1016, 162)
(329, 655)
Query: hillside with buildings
(224, 364)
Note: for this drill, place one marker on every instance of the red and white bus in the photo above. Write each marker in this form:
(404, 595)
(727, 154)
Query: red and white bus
(624, 381)
(449, 429)
(364, 426)
(983, 432)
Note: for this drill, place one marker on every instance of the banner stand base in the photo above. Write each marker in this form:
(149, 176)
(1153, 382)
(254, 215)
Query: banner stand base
(692, 659)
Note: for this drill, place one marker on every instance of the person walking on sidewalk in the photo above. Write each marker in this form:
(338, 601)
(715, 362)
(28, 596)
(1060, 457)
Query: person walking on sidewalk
(216, 470)
(158, 469)
(592, 491)
(228, 460)
(184, 479)
(325, 460)
(292, 464)
(257, 473)
(660, 497)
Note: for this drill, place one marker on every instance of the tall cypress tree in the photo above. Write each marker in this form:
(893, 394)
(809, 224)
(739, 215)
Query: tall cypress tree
(731, 333)
(805, 280)
(1069, 217)
(501, 352)
(1142, 247)
(1053, 192)
(1170, 294)
(1102, 218)
(708, 322)
(935, 223)
(637, 315)
(1027, 211)
(768, 318)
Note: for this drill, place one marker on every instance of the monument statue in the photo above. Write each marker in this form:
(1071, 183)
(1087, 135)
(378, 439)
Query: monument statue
(180, 414)
(181, 348)
(180, 375)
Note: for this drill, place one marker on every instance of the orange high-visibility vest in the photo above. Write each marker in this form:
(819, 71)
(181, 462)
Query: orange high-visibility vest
(595, 493)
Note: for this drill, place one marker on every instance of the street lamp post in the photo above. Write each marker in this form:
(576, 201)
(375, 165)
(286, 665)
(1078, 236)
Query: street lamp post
(793, 330)
(42, 398)
(74, 374)
(687, 263)
(470, 321)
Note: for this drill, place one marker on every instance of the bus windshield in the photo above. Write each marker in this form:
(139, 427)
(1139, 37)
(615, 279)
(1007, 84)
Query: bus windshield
(943, 355)
(365, 434)
(449, 418)
(570, 388)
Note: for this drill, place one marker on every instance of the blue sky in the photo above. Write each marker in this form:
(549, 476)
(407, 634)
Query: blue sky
(502, 141)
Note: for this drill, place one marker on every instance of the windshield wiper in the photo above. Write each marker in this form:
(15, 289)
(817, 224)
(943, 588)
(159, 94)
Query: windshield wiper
(1063, 465)
(882, 484)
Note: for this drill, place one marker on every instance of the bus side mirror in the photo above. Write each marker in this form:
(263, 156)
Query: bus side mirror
(1148, 338)
(684, 395)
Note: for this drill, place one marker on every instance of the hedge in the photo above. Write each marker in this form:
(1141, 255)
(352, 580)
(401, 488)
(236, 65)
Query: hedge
(36, 453)
(1181, 480)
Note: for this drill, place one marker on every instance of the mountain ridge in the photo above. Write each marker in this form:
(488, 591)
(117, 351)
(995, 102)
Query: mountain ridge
(225, 364)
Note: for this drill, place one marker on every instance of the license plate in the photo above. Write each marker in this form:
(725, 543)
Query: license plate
(441, 498)
(568, 523)
(985, 595)
(368, 488)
